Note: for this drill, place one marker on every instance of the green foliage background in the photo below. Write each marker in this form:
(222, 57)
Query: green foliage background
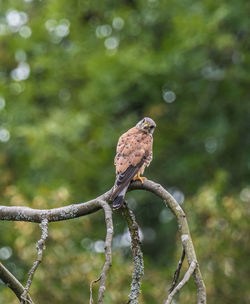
(74, 75)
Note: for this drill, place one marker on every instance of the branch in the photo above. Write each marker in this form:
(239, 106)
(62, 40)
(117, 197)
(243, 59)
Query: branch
(40, 246)
(177, 271)
(182, 282)
(138, 271)
(12, 282)
(108, 253)
(77, 210)
(183, 228)
(25, 214)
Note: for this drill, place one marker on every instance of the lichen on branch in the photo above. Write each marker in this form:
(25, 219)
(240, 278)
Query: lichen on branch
(16, 213)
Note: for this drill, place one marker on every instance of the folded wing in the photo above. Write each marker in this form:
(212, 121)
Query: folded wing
(132, 153)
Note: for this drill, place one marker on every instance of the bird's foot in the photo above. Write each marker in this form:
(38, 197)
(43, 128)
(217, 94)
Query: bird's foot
(140, 178)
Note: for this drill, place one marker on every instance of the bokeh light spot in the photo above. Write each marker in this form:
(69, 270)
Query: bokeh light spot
(4, 135)
(50, 24)
(245, 195)
(165, 216)
(86, 243)
(25, 31)
(168, 96)
(177, 194)
(22, 72)
(62, 30)
(2, 103)
(99, 246)
(5, 253)
(213, 73)
(103, 31)
(13, 18)
(16, 19)
(118, 23)
(211, 145)
(17, 87)
(111, 43)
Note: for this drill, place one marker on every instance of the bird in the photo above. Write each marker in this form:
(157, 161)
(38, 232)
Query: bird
(133, 155)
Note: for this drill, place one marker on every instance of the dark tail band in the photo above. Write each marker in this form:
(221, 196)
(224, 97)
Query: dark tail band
(118, 202)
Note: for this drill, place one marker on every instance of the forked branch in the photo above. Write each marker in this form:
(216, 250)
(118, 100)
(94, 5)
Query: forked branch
(183, 228)
(12, 282)
(26, 214)
(182, 282)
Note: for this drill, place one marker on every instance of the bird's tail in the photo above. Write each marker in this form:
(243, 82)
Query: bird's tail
(118, 201)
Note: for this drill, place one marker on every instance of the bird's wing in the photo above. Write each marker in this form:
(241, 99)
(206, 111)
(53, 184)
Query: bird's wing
(132, 151)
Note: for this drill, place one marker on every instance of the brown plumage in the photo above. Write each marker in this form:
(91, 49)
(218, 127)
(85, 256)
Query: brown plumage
(133, 155)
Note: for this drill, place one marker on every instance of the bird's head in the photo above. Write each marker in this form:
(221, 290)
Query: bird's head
(147, 125)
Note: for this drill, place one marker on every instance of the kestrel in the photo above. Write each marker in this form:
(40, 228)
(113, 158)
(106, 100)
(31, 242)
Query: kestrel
(133, 155)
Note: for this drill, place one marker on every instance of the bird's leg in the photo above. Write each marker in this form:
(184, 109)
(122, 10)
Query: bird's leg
(140, 178)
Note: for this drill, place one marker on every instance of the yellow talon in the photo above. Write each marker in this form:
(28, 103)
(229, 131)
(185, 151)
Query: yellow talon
(140, 178)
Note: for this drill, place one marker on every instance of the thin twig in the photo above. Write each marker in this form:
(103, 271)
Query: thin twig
(108, 253)
(40, 246)
(177, 272)
(182, 282)
(138, 271)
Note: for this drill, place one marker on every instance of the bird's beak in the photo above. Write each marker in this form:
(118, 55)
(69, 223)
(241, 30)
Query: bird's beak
(146, 126)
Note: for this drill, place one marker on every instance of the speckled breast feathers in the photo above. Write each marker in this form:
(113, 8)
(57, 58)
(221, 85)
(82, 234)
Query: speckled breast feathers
(132, 147)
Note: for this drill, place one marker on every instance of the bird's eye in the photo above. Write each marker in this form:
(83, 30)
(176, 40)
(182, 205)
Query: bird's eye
(151, 127)
(143, 120)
